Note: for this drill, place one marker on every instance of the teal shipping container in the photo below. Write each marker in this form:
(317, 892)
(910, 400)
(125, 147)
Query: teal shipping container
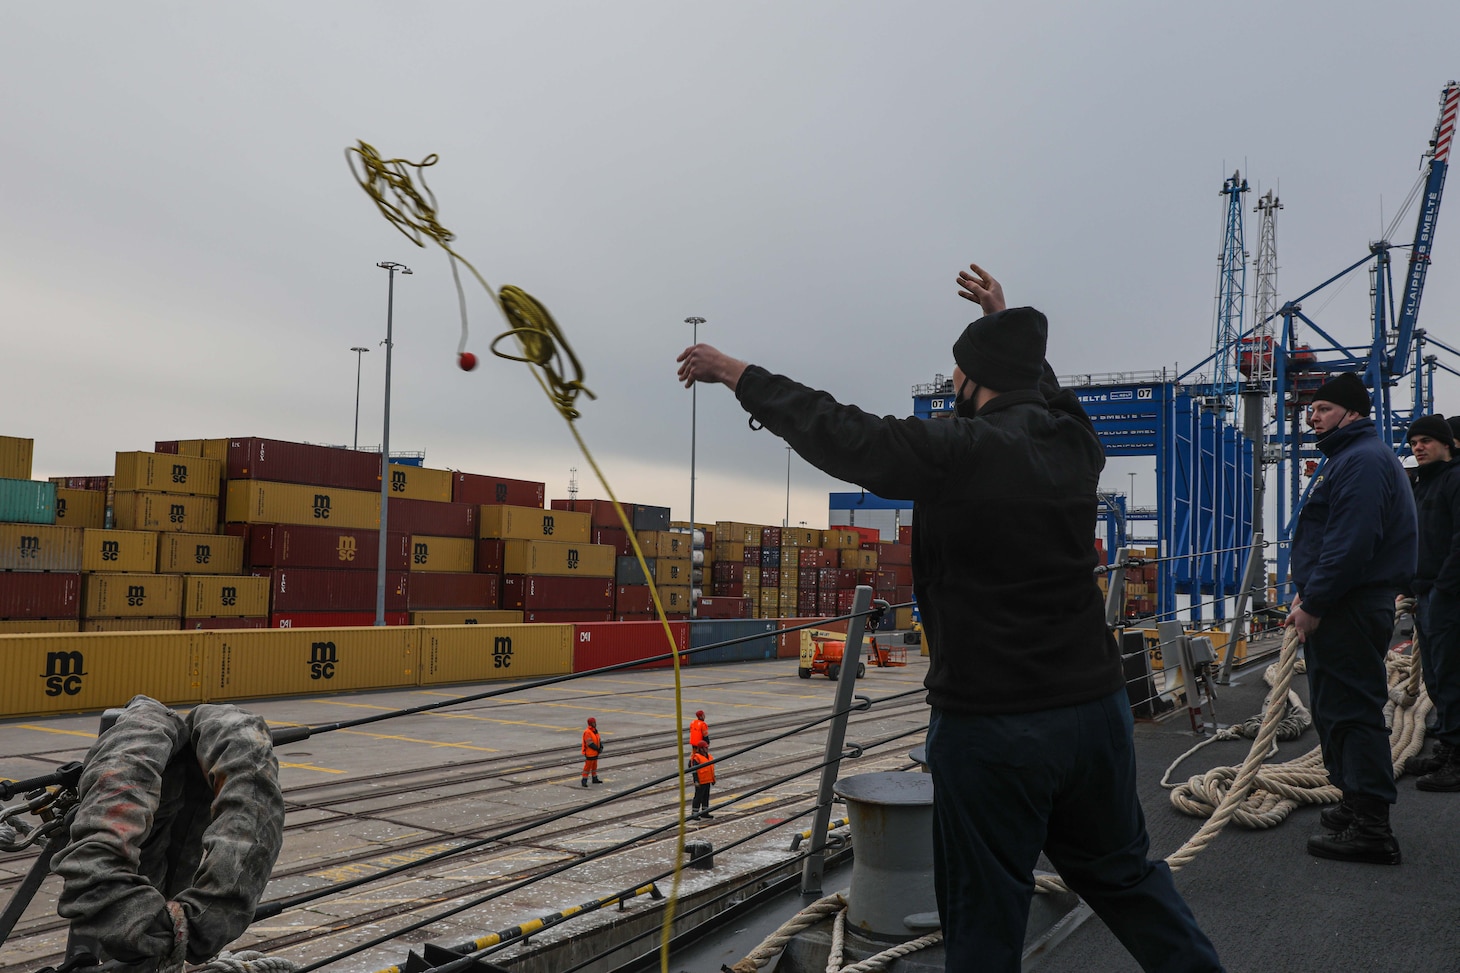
(27, 502)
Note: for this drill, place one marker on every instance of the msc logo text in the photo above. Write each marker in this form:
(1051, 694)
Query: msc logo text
(63, 673)
(322, 660)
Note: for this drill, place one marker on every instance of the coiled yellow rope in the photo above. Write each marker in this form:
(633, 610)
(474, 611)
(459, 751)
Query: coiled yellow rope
(390, 183)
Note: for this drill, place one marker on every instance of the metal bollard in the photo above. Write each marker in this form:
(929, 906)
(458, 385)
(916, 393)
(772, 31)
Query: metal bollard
(892, 874)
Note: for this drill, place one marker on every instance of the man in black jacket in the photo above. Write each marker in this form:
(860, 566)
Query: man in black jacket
(1029, 741)
(1437, 595)
(1354, 550)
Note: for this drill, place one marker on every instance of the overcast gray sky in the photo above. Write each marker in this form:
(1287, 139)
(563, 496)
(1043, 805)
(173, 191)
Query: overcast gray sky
(184, 254)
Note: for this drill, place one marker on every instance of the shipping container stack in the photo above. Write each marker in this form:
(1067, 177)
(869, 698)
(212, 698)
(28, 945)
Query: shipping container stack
(702, 545)
(551, 569)
(735, 566)
(668, 556)
(40, 563)
(1140, 585)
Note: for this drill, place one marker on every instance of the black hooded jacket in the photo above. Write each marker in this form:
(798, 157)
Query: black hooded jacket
(1003, 533)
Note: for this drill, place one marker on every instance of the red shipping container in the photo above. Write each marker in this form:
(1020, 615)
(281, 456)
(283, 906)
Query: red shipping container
(635, 617)
(729, 589)
(565, 615)
(261, 621)
(884, 581)
(529, 592)
(600, 513)
(751, 555)
(770, 537)
(444, 590)
(169, 446)
(889, 555)
(610, 643)
(806, 578)
(724, 571)
(633, 599)
(826, 603)
(836, 579)
(102, 483)
(334, 619)
(25, 594)
(616, 538)
(869, 535)
(816, 557)
(489, 556)
(313, 590)
(476, 488)
(868, 578)
(726, 607)
(902, 595)
(904, 534)
(770, 577)
(287, 546)
(903, 573)
(845, 600)
(283, 462)
(432, 518)
(806, 602)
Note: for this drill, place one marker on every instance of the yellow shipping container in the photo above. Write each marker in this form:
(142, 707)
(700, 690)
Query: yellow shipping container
(164, 511)
(167, 473)
(535, 524)
(266, 502)
(557, 559)
(38, 625)
(732, 551)
(664, 543)
(741, 533)
(490, 616)
(39, 547)
(443, 553)
(293, 661)
(477, 653)
(752, 575)
(790, 557)
(15, 457)
(210, 448)
(220, 596)
(199, 554)
(770, 601)
(672, 571)
(133, 551)
(800, 537)
(80, 508)
(94, 672)
(132, 625)
(902, 619)
(841, 539)
(675, 598)
(131, 596)
(860, 560)
(420, 483)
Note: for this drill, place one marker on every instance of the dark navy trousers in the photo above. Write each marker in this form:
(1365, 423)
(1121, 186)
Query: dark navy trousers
(1437, 616)
(1348, 688)
(1007, 786)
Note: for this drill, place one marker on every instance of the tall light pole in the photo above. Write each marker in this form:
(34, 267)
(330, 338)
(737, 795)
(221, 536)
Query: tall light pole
(359, 357)
(693, 322)
(1130, 498)
(391, 267)
(787, 521)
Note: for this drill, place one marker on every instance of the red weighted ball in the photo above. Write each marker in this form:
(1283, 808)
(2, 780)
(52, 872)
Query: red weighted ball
(467, 361)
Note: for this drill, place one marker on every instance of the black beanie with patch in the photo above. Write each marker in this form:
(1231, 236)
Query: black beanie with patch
(1004, 351)
(1434, 427)
(1346, 390)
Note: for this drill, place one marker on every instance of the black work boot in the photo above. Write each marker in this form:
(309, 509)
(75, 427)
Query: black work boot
(1429, 764)
(1336, 817)
(1366, 839)
(596, 780)
(585, 781)
(1445, 777)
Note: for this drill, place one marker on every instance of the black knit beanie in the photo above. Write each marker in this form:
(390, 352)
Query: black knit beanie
(1454, 423)
(1434, 427)
(1004, 351)
(1346, 390)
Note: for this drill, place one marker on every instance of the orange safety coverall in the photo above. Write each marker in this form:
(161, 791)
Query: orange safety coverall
(592, 747)
(699, 733)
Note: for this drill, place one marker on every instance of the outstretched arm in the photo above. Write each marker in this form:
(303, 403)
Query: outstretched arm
(706, 363)
(978, 285)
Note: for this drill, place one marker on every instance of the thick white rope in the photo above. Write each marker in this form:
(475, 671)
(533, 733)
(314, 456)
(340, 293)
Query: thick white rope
(776, 941)
(246, 961)
(838, 942)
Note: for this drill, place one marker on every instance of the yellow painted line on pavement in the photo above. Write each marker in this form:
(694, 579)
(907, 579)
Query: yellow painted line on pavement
(51, 729)
(429, 743)
(322, 770)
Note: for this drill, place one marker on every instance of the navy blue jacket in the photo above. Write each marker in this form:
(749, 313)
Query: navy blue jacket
(1357, 528)
(1437, 495)
(1003, 533)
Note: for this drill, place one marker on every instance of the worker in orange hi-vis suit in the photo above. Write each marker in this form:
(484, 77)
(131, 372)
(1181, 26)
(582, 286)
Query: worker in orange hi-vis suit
(704, 774)
(592, 747)
(699, 730)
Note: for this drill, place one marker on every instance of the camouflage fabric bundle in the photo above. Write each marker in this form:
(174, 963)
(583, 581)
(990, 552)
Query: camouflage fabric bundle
(173, 809)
